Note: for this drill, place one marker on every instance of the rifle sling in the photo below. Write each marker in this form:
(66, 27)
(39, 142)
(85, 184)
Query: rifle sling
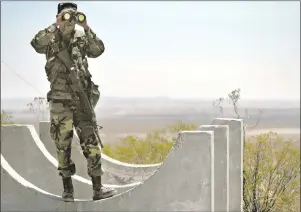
(65, 58)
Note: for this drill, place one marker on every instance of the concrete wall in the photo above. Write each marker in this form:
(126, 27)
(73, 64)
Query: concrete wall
(235, 162)
(221, 167)
(203, 172)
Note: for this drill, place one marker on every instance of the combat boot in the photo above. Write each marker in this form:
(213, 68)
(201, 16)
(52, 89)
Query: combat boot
(68, 189)
(99, 191)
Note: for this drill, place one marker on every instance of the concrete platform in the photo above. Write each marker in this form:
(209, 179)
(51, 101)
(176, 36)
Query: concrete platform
(24, 151)
(184, 181)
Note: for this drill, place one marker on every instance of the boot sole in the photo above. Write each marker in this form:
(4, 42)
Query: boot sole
(68, 200)
(105, 196)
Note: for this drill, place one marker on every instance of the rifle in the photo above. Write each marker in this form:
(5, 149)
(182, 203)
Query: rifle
(77, 87)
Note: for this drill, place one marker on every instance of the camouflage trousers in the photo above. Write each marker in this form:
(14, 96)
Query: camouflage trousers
(65, 115)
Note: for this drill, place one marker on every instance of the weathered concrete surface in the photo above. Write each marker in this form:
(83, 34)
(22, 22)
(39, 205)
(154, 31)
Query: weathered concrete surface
(115, 171)
(235, 161)
(20, 147)
(221, 170)
(183, 182)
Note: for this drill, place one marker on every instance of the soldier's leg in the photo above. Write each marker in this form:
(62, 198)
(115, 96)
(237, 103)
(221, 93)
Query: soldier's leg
(61, 131)
(92, 152)
(94, 96)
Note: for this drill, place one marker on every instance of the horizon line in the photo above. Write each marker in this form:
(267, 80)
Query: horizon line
(167, 97)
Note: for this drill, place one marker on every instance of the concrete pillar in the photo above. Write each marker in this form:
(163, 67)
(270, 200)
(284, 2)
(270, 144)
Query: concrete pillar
(193, 156)
(221, 170)
(235, 161)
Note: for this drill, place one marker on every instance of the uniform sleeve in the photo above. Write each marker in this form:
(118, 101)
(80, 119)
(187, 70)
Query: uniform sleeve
(94, 46)
(42, 39)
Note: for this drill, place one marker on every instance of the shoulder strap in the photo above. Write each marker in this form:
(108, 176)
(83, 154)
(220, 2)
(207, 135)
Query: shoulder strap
(65, 58)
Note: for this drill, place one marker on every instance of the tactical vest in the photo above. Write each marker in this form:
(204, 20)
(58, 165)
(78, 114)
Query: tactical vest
(57, 73)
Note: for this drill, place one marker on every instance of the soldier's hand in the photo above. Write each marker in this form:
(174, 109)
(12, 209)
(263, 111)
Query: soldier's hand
(59, 19)
(84, 23)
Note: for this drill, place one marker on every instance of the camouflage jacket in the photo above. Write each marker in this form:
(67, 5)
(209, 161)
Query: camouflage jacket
(82, 45)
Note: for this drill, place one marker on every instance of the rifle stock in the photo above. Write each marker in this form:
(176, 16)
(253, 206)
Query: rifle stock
(77, 87)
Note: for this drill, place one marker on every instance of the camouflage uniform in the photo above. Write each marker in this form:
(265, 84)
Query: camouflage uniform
(64, 104)
(65, 108)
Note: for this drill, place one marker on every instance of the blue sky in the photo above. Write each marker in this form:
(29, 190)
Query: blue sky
(176, 49)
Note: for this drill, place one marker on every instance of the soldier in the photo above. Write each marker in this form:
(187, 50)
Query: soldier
(65, 108)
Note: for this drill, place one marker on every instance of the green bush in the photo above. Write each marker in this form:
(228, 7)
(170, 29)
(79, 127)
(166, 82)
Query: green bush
(139, 151)
(271, 173)
(151, 149)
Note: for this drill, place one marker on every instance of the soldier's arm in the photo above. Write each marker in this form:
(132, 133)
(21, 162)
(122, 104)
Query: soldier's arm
(42, 39)
(94, 46)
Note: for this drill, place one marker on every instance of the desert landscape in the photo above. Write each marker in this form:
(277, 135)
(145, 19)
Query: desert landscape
(138, 116)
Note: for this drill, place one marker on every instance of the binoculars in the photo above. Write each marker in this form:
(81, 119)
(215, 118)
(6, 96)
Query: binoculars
(78, 17)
